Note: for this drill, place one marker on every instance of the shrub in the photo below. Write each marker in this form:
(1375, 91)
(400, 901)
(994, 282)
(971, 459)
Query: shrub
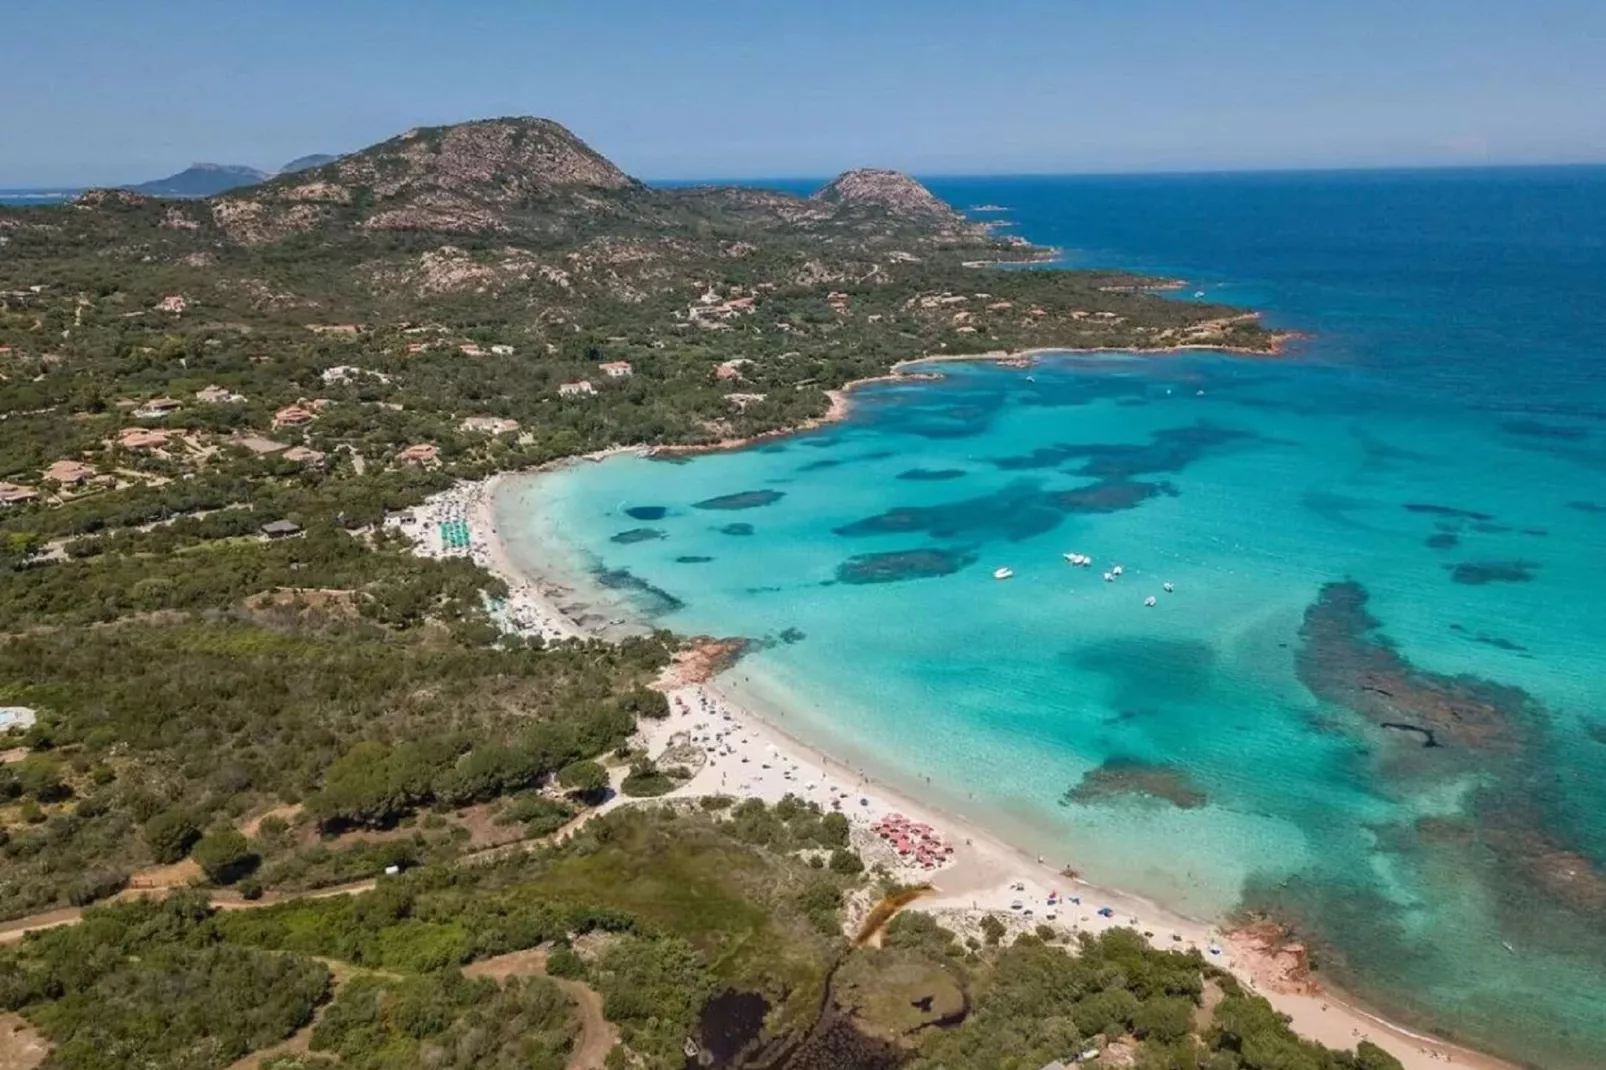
(586, 780)
(563, 962)
(224, 855)
(170, 835)
(845, 862)
(992, 929)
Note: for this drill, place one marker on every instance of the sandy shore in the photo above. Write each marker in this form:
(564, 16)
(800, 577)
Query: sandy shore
(736, 751)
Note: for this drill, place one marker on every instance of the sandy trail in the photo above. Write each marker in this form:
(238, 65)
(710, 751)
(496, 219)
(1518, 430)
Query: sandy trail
(597, 1035)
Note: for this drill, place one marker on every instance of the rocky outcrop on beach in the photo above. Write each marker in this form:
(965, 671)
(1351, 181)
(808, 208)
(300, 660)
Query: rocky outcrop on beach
(702, 659)
(1277, 962)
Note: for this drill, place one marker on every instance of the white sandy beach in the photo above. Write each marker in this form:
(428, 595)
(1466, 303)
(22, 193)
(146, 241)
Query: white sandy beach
(746, 756)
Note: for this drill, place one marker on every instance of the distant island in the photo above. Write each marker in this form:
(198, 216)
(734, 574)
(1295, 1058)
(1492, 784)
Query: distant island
(201, 180)
(210, 179)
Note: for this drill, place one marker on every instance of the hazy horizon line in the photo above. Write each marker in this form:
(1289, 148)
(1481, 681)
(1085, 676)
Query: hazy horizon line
(1181, 172)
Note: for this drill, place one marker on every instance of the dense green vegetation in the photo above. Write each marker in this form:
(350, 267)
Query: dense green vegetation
(267, 716)
(157, 985)
(442, 1020)
(153, 733)
(660, 910)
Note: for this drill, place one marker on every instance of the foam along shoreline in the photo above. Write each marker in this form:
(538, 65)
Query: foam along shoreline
(745, 754)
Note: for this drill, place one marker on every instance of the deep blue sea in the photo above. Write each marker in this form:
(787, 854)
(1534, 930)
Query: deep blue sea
(1373, 702)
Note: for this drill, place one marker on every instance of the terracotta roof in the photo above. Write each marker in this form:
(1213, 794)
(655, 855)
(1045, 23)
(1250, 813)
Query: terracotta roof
(69, 472)
(420, 453)
(139, 438)
(292, 416)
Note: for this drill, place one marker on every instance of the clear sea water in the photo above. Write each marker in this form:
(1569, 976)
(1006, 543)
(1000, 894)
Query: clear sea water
(22, 198)
(1445, 423)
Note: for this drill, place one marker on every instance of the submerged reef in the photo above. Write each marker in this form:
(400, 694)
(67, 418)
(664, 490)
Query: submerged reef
(931, 475)
(1111, 496)
(1119, 777)
(634, 535)
(1478, 573)
(747, 499)
(655, 600)
(646, 512)
(1019, 511)
(895, 565)
(1345, 661)
(1169, 450)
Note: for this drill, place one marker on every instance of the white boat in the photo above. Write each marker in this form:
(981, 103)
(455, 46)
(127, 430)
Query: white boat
(1116, 571)
(1198, 293)
(1151, 601)
(1003, 573)
(1168, 587)
(1078, 560)
(1109, 577)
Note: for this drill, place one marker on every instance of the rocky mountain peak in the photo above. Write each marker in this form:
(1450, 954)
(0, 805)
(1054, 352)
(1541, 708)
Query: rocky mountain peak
(472, 177)
(518, 155)
(890, 191)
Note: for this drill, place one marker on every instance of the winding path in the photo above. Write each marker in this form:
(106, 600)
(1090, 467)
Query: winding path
(597, 1034)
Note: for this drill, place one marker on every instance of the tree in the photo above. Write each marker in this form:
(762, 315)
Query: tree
(1165, 1019)
(170, 835)
(846, 862)
(586, 780)
(225, 855)
(992, 929)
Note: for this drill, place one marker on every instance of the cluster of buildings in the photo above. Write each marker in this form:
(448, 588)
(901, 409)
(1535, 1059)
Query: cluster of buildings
(613, 369)
(713, 310)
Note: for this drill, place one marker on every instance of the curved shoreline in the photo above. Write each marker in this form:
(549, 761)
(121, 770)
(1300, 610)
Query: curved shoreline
(988, 865)
(842, 402)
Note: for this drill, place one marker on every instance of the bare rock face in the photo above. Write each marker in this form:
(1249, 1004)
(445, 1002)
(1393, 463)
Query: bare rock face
(892, 192)
(110, 198)
(512, 156)
(466, 178)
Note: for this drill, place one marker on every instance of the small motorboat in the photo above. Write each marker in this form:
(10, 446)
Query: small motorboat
(1116, 571)
(1151, 601)
(1198, 293)
(1003, 573)
(1109, 577)
(1168, 587)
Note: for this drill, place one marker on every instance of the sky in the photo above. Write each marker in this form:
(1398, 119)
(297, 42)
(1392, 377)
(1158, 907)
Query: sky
(99, 92)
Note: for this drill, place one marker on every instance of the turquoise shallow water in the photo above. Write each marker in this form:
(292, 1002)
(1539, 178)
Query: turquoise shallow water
(1461, 884)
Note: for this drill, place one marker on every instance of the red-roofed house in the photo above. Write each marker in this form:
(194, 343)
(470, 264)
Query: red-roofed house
(140, 438)
(420, 453)
(293, 416)
(16, 494)
(69, 473)
(616, 369)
